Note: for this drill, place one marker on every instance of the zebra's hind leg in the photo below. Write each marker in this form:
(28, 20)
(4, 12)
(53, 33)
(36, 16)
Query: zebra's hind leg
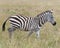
(11, 30)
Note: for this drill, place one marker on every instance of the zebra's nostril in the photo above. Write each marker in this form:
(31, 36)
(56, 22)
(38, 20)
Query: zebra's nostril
(54, 23)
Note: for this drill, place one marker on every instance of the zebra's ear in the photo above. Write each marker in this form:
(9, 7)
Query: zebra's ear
(51, 10)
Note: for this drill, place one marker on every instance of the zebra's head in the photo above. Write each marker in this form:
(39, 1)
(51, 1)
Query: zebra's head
(50, 17)
(46, 16)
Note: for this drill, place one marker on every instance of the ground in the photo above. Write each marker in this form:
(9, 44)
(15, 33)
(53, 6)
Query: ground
(49, 35)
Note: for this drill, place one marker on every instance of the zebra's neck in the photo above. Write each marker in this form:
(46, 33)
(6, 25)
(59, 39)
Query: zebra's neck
(42, 20)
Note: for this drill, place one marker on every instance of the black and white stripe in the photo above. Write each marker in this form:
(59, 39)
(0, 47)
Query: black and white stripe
(19, 21)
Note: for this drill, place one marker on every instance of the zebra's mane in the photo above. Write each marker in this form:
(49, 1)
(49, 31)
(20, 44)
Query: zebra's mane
(44, 13)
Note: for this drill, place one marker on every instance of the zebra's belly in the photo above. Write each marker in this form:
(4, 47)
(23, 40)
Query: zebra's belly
(26, 28)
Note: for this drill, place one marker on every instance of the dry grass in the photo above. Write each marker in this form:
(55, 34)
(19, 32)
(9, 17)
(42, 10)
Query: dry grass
(49, 35)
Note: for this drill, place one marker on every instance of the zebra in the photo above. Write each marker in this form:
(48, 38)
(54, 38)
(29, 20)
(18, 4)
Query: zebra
(30, 24)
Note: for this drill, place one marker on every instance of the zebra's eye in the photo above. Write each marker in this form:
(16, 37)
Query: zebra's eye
(51, 17)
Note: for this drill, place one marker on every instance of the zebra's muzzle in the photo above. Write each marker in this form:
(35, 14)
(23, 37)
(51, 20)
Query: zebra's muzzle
(54, 23)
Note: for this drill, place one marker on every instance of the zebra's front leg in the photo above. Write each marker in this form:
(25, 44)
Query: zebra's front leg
(38, 34)
(29, 34)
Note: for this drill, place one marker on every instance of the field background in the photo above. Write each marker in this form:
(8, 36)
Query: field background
(49, 35)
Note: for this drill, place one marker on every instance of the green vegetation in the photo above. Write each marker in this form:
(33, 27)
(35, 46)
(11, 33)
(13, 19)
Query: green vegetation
(49, 35)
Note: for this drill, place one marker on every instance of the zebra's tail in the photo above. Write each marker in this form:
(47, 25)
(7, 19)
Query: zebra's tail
(3, 26)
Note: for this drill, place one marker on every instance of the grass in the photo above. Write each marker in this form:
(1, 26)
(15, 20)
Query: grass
(49, 35)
